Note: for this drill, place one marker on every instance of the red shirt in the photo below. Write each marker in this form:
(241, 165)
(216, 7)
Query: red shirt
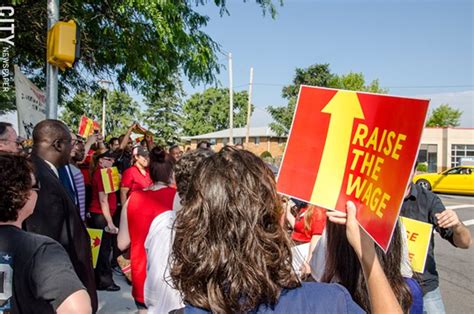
(98, 186)
(134, 180)
(318, 222)
(143, 207)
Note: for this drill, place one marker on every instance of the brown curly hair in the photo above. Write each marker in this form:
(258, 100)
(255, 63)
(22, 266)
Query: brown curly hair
(230, 253)
(185, 167)
(15, 184)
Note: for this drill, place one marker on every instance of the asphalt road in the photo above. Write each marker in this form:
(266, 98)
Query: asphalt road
(455, 267)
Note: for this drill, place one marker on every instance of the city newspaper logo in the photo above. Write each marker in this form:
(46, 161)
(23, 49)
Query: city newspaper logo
(418, 239)
(346, 145)
(87, 127)
(96, 241)
(110, 179)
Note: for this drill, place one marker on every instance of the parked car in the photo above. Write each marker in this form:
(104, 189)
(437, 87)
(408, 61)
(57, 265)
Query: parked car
(458, 180)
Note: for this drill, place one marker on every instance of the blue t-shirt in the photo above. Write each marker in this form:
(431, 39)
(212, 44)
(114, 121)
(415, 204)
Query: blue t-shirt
(311, 297)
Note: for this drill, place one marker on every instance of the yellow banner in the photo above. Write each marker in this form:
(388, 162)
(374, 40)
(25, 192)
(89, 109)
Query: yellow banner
(418, 236)
(110, 179)
(96, 240)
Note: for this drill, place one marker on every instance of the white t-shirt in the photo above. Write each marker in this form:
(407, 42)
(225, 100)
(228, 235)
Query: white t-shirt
(160, 296)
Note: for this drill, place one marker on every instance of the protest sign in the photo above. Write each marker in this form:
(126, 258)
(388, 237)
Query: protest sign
(110, 179)
(96, 241)
(30, 104)
(87, 126)
(346, 145)
(418, 236)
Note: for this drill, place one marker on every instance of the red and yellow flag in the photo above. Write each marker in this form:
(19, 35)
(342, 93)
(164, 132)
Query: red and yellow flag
(110, 179)
(87, 126)
(96, 240)
(346, 145)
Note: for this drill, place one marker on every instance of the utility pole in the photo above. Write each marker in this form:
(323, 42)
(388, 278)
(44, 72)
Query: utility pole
(249, 107)
(231, 103)
(52, 71)
(104, 83)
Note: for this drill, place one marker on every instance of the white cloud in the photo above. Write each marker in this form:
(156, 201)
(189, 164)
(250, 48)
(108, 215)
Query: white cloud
(463, 101)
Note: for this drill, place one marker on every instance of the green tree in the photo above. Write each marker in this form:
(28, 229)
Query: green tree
(121, 111)
(140, 43)
(163, 115)
(209, 111)
(315, 75)
(7, 101)
(444, 116)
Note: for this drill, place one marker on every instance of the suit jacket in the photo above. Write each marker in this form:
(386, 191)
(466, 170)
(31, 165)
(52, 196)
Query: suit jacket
(57, 217)
(65, 176)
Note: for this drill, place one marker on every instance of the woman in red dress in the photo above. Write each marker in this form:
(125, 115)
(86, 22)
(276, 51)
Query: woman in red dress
(139, 211)
(308, 225)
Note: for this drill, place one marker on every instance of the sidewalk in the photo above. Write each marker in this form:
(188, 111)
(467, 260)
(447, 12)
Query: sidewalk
(117, 302)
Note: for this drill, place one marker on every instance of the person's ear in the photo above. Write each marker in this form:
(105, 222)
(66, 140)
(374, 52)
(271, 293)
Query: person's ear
(57, 145)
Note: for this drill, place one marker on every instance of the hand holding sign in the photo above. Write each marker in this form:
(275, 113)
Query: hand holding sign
(358, 239)
(358, 147)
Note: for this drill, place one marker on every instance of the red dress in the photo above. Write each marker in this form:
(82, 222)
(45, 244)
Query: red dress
(318, 222)
(134, 180)
(143, 207)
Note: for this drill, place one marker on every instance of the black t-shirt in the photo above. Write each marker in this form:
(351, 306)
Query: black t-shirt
(36, 275)
(422, 205)
(123, 161)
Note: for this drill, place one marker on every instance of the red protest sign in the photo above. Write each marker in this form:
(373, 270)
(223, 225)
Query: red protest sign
(346, 145)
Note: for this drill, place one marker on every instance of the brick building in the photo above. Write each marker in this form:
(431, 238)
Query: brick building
(261, 139)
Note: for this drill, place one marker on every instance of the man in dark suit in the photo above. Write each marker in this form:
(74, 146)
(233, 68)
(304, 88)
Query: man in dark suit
(55, 214)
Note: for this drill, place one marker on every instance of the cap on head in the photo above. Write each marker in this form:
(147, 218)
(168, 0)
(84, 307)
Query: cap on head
(140, 151)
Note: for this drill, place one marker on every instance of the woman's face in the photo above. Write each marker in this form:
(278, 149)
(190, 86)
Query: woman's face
(32, 197)
(143, 161)
(106, 162)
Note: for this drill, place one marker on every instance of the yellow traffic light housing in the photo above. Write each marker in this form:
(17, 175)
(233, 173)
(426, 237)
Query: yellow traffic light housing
(63, 44)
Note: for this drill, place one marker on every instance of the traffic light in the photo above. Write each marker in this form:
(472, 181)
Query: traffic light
(63, 44)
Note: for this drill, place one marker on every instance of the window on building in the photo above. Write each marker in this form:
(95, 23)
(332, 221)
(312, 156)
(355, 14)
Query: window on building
(429, 154)
(225, 140)
(460, 151)
(256, 140)
(238, 140)
(213, 141)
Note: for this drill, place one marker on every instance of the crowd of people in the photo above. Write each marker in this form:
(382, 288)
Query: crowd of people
(198, 232)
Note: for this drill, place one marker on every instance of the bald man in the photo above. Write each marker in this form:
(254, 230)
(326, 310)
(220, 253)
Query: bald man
(55, 214)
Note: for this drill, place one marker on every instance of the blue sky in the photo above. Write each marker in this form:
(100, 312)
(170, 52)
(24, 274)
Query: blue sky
(415, 48)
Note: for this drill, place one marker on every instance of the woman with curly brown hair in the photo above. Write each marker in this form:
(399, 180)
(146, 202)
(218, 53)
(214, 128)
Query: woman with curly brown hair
(231, 255)
(36, 274)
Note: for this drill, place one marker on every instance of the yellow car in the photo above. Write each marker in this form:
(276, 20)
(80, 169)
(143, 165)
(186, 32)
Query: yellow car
(458, 180)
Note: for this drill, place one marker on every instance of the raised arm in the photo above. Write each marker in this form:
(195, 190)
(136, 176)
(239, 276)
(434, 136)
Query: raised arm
(382, 298)
(127, 136)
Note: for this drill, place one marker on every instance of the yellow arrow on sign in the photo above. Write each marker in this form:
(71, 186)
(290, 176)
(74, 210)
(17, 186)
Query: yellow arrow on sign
(344, 107)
